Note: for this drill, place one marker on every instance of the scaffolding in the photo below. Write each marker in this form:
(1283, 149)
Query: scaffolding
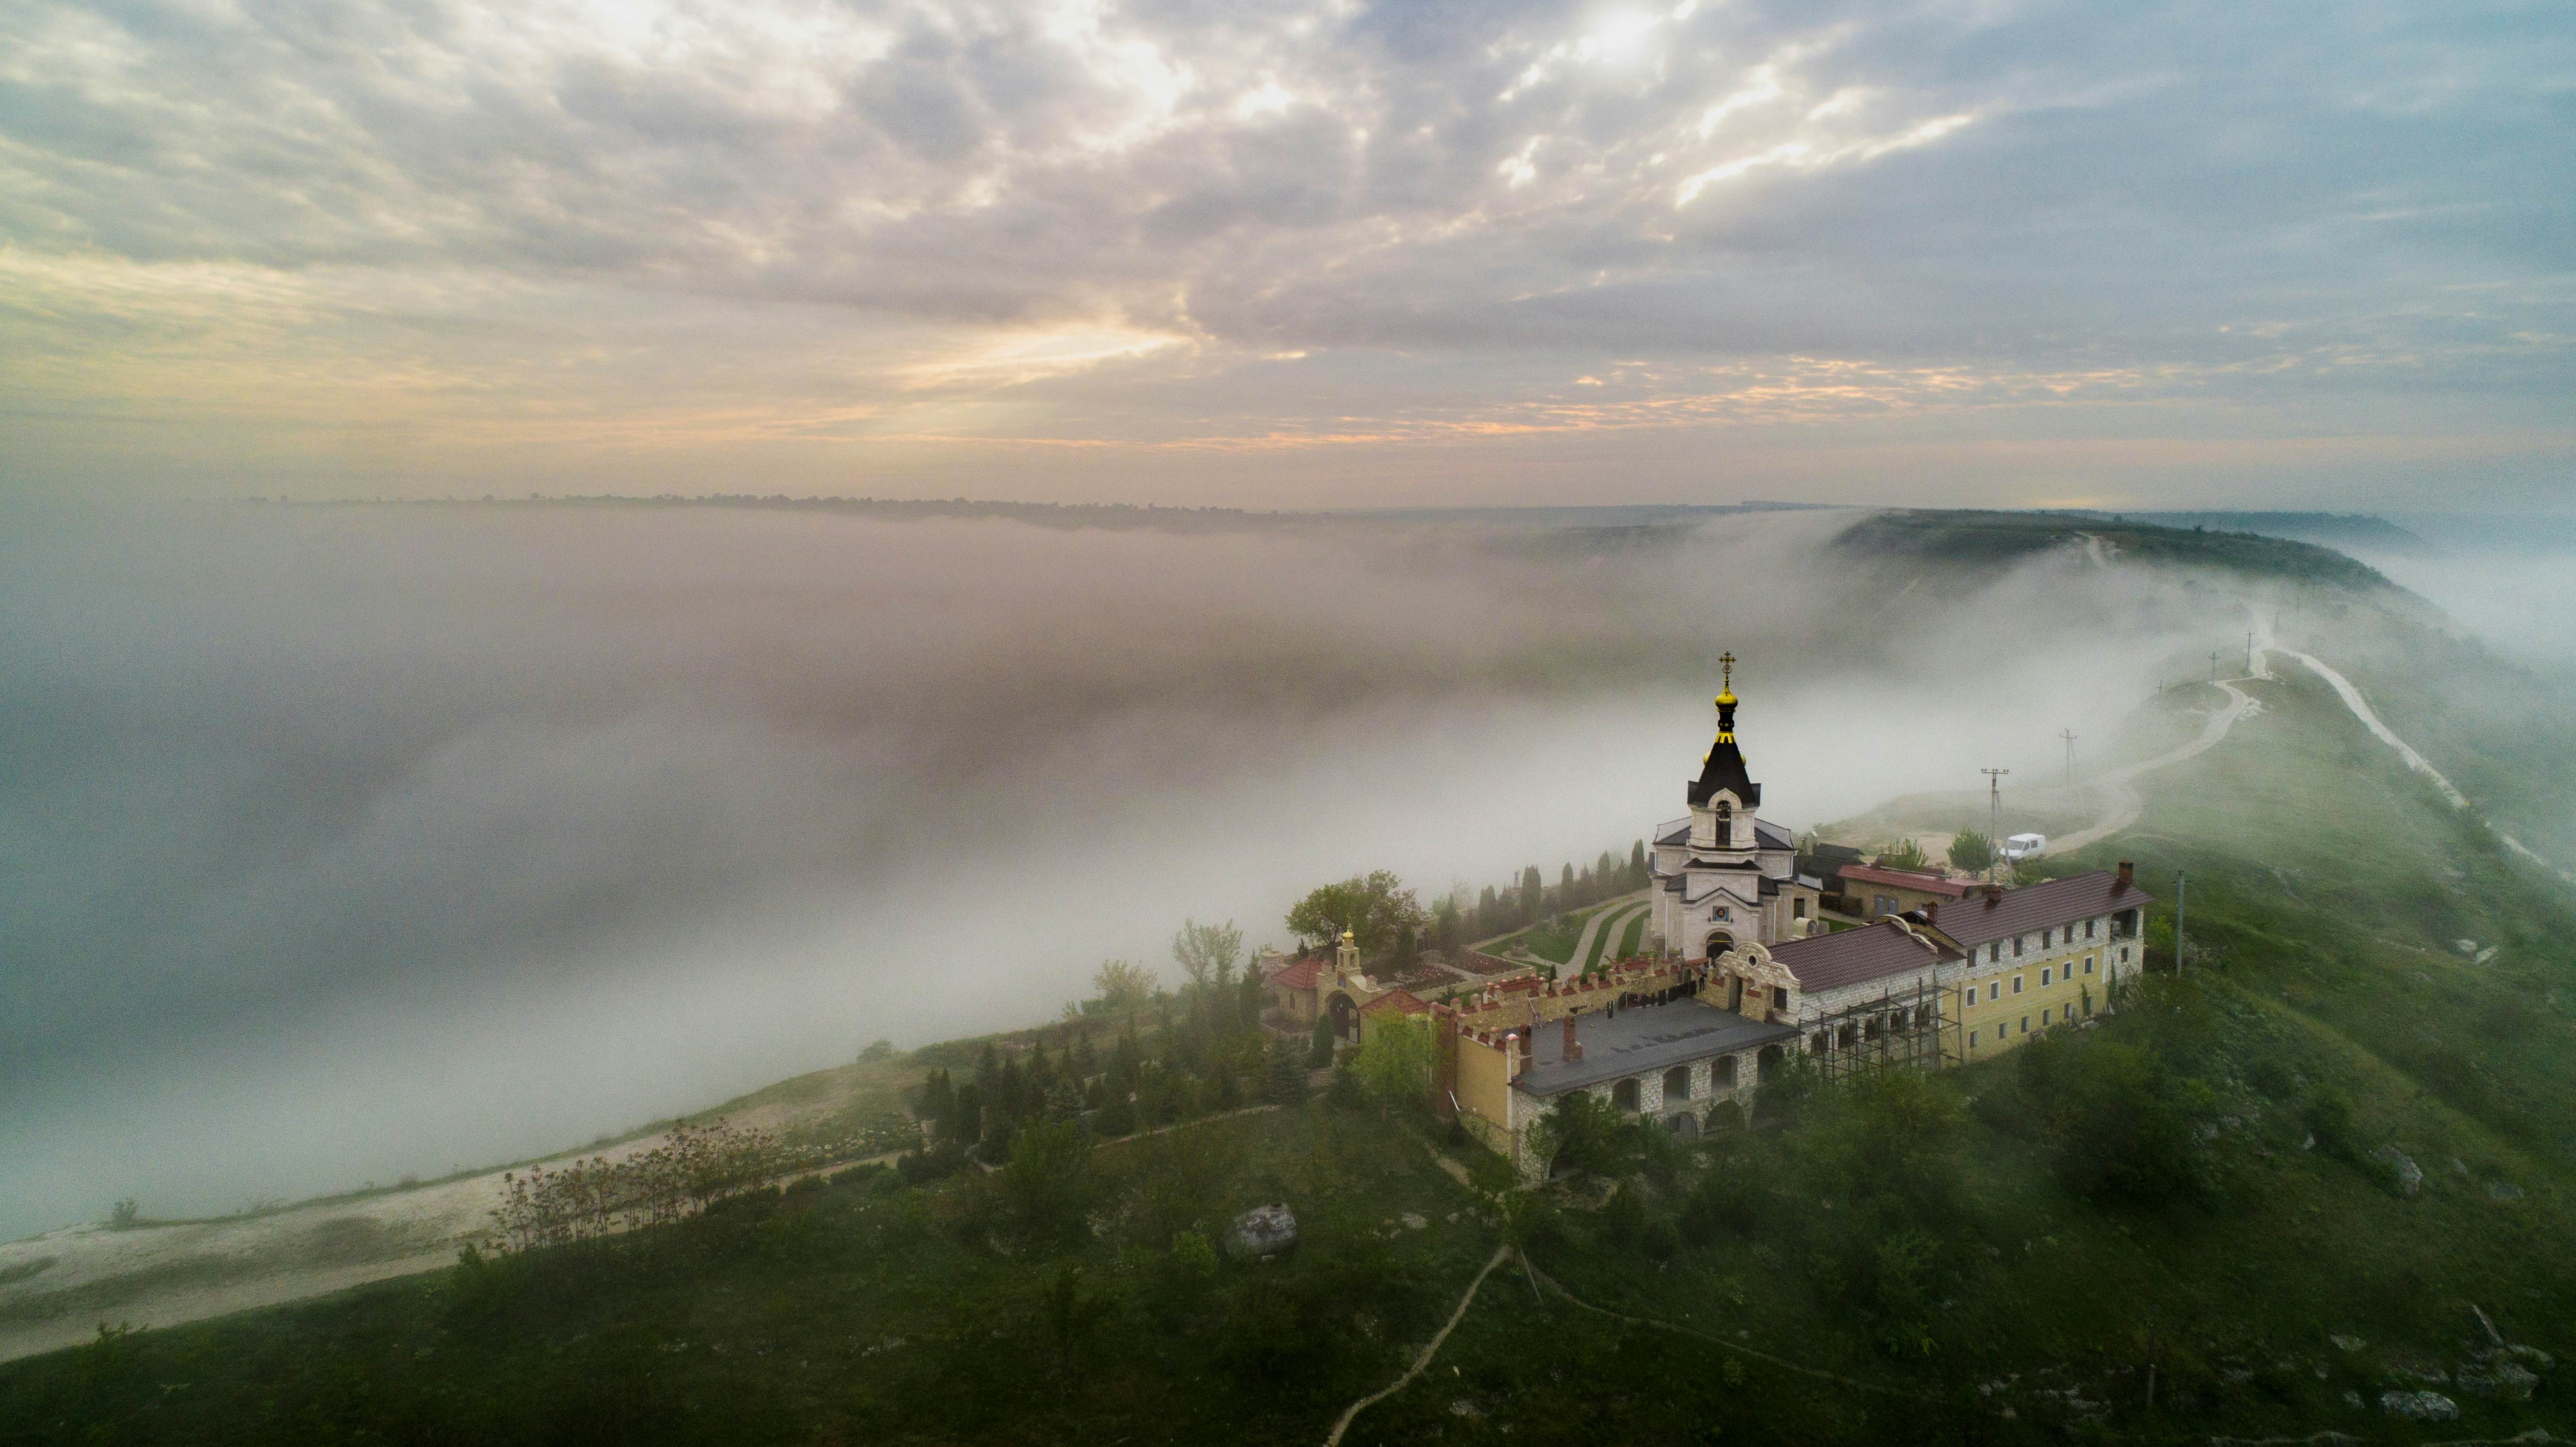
(1901, 1028)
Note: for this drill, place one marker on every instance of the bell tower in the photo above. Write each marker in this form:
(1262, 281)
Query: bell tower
(1724, 796)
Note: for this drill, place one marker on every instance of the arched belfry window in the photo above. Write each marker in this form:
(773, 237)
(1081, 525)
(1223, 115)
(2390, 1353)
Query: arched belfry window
(1725, 824)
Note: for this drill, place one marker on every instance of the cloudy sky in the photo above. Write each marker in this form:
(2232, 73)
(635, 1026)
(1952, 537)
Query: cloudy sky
(1291, 254)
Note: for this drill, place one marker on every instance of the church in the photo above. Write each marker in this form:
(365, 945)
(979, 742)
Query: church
(1749, 977)
(1724, 875)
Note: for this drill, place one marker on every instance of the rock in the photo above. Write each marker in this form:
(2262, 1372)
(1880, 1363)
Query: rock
(2351, 1398)
(2529, 1356)
(2410, 1176)
(2419, 1406)
(2310, 1143)
(2503, 1191)
(1265, 1230)
(2347, 1343)
(2460, 1168)
(2466, 947)
(1414, 1221)
(2498, 1377)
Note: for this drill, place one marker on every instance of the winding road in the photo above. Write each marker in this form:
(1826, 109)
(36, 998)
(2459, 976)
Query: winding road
(2124, 802)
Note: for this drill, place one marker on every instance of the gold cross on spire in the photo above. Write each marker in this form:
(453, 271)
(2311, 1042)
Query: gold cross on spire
(1726, 661)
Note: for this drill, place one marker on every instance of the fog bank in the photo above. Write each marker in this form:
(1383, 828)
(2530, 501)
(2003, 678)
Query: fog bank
(349, 842)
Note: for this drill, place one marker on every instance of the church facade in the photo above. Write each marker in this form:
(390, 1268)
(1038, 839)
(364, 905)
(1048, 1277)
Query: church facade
(1723, 875)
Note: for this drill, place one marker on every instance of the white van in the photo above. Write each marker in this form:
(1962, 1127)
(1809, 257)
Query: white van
(2024, 846)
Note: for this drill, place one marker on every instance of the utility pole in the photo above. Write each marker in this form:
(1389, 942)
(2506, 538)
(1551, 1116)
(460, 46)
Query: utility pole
(2249, 653)
(2179, 881)
(2213, 665)
(1994, 818)
(2069, 736)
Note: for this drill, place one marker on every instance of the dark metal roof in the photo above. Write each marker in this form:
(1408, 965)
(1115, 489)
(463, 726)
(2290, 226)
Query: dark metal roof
(1847, 957)
(1725, 766)
(1980, 919)
(1768, 835)
(1638, 1040)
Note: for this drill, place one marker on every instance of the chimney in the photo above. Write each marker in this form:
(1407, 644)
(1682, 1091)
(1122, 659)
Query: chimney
(1994, 895)
(1932, 912)
(1573, 1047)
(2128, 875)
(1524, 1050)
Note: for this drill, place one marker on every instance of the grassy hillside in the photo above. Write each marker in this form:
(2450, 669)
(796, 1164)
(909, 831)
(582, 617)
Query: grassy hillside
(1977, 540)
(2007, 1253)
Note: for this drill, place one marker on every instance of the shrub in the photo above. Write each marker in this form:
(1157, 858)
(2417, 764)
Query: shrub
(1047, 1187)
(2121, 1123)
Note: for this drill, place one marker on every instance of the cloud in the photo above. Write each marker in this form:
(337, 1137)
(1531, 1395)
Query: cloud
(653, 211)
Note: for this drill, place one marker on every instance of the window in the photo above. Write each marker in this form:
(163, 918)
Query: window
(1780, 996)
(1677, 1083)
(1972, 1039)
(2088, 964)
(1968, 996)
(1994, 989)
(2016, 984)
(1995, 953)
(1798, 909)
(2025, 1024)
(2124, 954)
(2043, 939)
(2017, 940)
(2043, 975)
(1725, 1078)
(1882, 904)
(2066, 1012)
(2088, 929)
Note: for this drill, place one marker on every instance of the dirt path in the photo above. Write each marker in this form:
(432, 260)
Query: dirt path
(2352, 699)
(1429, 1350)
(2122, 802)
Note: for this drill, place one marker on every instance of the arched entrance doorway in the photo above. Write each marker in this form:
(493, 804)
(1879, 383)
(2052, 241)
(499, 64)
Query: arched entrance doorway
(1719, 942)
(1346, 1017)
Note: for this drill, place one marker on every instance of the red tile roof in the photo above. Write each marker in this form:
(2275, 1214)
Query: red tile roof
(1908, 879)
(1402, 1001)
(1299, 974)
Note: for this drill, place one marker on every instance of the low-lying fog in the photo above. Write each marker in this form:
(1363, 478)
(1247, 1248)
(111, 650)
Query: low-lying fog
(345, 843)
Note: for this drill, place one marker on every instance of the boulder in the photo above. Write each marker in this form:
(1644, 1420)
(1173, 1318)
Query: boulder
(2410, 1176)
(2499, 1377)
(2419, 1406)
(1265, 1231)
(2503, 1191)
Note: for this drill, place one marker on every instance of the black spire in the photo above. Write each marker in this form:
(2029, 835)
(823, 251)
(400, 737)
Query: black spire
(1724, 768)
